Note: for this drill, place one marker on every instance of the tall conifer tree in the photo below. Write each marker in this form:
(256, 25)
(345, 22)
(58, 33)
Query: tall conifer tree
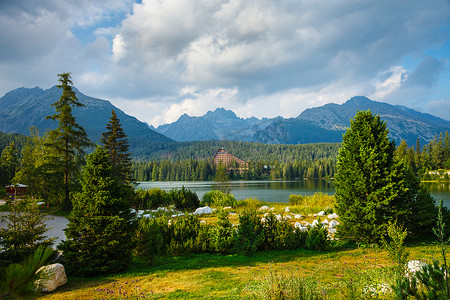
(115, 141)
(100, 226)
(69, 139)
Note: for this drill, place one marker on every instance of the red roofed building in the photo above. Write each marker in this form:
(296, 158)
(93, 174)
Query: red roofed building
(230, 161)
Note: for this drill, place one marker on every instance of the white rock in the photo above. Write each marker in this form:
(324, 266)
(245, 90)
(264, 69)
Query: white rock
(272, 208)
(203, 222)
(232, 213)
(322, 213)
(325, 222)
(263, 220)
(298, 217)
(54, 276)
(279, 217)
(203, 210)
(314, 223)
(266, 214)
(132, 210)
(413, 266)
(333, 216)
(332, 224)
(228, 207)
(286, 210)
(298, 225)
(288, 217)
(265, 207)
(147, 216)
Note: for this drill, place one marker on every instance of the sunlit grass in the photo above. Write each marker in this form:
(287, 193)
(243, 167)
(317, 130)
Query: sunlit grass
(236, 276)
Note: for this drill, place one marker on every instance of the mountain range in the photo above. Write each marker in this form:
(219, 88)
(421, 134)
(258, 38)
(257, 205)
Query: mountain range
(25, 107)
(321, 124)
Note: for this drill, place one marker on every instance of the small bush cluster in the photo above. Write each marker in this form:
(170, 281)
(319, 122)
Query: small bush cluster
(313, 203)
(183, 199)
(217, 198)
(187, 234)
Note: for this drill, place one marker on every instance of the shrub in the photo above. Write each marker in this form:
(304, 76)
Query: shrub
(286, 237)
(250, 234)
(250, 203)
(24, 232)
(317, 238)
(150, 199)
(184, 232)
(219, 199)
(17, 280)
(183, 199)
(152, 236)
(221, 235)
(296, 199)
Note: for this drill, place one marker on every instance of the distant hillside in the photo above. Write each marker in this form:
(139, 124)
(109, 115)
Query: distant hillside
(324, 124)
(23, 107)
(402, 122)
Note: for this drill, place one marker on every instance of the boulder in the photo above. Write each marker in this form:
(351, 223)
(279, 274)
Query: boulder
(315, 223)
(333, 216)
(286, 210)
(413, 266)
(203, 210)
(332, 224)
(52, 276)
(265, 207)
(298, 217)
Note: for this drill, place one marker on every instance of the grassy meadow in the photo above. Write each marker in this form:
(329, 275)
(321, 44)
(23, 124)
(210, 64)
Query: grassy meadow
(344, 271)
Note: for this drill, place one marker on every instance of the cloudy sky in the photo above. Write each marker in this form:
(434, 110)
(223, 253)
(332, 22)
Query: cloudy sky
(158, 59)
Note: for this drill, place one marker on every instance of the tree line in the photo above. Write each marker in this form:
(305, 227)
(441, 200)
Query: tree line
(204, 170)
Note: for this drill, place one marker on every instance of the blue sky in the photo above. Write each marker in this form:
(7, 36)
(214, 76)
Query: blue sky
(157, 60)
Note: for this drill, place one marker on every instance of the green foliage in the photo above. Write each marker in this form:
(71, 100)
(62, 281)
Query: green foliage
(17, 280)
(317, 238)
(218, 199)
(115, 141)
(100, 226)
(372, 188)
(150, 199)
(222, 180)
(183, 199)
(184, 233)
(24, 232)
(282, 286)
(249, 236)
(221, 235)
(9, 162)
(152, 236)
(68, 141)
(394, 246)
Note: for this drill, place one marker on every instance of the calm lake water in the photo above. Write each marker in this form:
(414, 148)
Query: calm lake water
(279, 191)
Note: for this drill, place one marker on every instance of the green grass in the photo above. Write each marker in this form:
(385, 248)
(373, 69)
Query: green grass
(216, 276)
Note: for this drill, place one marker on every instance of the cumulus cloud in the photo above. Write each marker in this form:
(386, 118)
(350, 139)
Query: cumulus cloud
(261, 57)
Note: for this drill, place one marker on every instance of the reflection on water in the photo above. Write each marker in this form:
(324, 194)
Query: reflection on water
(279, 191)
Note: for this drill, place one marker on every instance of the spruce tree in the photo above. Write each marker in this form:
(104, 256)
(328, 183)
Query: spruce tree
(9, 162)
(100, 226)
(69, 139)
(115, 141)
(369, 188)
(375, 187)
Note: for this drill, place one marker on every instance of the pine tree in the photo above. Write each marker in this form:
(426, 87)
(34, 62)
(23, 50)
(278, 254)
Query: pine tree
(9, 162)
(69, 139)
(100, 227)
(116, 143)
(369, 188)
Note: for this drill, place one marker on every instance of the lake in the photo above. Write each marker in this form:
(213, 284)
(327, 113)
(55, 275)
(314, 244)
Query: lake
(279, 191)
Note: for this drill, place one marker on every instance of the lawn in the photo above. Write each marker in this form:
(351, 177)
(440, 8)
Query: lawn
(215, 276)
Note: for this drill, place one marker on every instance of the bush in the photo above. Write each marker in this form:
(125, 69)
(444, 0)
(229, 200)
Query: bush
(17, 280)
(183, 199)
(221, 236)
(184, 232)
(218, 199)
(250, 203)
(250, 234)
(317, 238)
(152, 236)
(150, 199)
